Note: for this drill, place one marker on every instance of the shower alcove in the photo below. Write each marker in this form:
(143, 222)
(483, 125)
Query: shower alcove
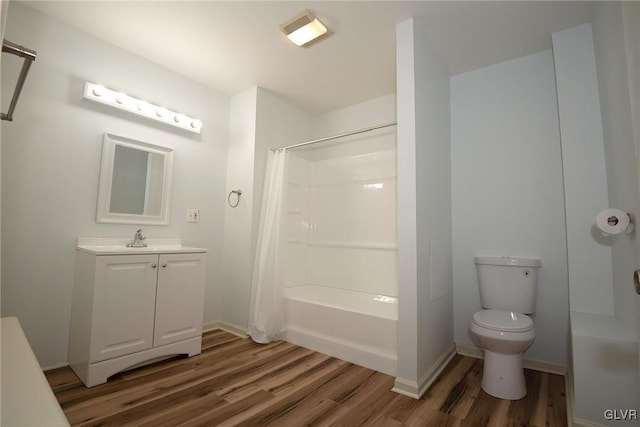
(340, 273)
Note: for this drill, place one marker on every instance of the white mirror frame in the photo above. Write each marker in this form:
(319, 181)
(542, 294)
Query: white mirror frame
(103, 214)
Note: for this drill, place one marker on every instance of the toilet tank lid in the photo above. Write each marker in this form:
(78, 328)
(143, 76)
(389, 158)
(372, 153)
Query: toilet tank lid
(507, 260)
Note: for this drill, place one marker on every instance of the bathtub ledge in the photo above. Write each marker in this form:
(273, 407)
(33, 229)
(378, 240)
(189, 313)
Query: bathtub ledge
(600, 326)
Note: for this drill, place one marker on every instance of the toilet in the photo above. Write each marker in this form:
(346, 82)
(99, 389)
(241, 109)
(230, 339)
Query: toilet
(503, 330)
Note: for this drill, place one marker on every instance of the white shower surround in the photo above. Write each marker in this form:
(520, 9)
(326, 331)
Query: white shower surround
(341, 250)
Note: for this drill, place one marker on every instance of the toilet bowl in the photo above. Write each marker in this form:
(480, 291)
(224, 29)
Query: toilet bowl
(504, 336)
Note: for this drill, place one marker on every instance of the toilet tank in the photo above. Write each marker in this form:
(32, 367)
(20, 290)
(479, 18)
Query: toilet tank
(508, 283)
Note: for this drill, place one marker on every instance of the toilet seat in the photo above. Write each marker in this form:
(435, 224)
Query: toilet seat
(502, 320)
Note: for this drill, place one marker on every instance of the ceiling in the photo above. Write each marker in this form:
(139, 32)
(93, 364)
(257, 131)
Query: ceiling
(235, 45)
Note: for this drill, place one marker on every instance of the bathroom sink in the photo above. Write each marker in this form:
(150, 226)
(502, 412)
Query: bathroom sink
(118, 246)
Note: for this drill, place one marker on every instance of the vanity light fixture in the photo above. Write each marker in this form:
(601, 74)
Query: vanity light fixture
(122, 101)
(304, 29)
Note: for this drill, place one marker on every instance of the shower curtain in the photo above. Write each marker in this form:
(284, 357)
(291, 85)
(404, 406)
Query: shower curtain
(266, 310)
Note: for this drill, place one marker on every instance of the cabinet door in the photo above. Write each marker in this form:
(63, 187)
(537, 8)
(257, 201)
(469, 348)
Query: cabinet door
(124, 305)
(180, 298)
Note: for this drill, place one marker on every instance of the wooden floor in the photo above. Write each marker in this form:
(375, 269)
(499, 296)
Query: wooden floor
(237, 382)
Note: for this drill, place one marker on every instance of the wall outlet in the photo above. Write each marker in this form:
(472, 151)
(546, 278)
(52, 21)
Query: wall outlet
(193, 215)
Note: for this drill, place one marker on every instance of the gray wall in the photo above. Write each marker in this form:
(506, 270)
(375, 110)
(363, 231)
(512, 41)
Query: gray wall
(50, 168)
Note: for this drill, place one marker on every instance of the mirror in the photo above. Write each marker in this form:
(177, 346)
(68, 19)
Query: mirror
(135, 182)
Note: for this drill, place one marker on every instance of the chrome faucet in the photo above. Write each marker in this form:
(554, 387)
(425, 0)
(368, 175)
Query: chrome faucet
(137, 240)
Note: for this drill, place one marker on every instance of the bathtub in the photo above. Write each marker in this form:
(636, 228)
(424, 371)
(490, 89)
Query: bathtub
(358, 327)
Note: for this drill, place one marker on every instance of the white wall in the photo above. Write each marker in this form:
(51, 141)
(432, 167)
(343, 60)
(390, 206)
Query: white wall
(425, 328)
(366, 114)
(603, 379)
(278, 124)
(597, 131)
(4, 9)
(237, 261)
(619, 150)
(50, 168)
(259, 120)
(585, 178)
(631, 27)
(507, 189)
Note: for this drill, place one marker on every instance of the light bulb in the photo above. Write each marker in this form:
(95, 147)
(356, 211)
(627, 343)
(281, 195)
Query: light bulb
(98, 90)
(122, 101)
(144, 106)
(121, 98)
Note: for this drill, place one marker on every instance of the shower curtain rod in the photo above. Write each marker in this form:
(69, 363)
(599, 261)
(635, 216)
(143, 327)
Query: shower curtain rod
(29, 56)
(329, 138)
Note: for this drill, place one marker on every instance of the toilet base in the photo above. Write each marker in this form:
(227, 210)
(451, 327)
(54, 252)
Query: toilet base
(503, 375)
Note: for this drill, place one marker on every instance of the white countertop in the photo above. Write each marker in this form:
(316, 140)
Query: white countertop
(118, 246)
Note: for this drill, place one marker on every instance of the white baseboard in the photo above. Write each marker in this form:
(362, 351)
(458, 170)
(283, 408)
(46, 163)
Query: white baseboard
(533, 364)
(51, 368)
(228, 327)
(544, 366)
(406, 388)
(469, 350)
(569, 398)
(417, 389)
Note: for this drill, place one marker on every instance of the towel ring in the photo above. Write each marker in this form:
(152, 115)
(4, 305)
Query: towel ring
(238, 193)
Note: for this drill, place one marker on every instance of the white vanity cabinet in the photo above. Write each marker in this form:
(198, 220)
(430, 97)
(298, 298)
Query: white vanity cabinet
(134, 306)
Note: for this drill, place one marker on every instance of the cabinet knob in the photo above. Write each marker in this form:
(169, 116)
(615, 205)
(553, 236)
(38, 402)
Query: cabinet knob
(153, 266)
(164, 265)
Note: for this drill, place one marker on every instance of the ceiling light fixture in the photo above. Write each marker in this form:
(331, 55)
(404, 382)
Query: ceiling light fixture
(304, 29)
(122, 101)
